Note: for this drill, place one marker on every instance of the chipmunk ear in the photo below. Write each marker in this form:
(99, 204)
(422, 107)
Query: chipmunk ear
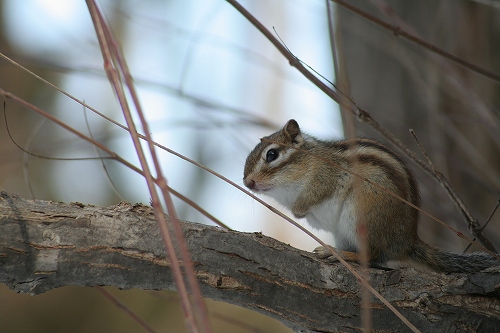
(292, 130)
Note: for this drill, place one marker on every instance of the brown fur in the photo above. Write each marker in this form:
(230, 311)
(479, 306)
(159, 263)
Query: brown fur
(316, 170)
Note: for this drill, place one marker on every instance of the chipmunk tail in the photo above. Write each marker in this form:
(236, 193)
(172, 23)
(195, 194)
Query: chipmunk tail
(447, 262)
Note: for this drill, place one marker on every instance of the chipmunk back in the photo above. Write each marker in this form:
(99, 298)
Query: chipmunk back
(336, 184)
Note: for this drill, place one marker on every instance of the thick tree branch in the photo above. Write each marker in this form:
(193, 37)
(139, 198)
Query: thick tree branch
(45, 245)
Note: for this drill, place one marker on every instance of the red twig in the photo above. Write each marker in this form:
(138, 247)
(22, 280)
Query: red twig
(347, 103)
(114, 64)
(357, 175)
(271, 208)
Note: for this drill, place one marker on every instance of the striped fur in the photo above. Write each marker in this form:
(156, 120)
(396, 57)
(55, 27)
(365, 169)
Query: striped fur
(336, 185)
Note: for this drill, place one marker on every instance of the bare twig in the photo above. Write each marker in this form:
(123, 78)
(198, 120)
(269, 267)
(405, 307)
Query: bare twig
(347, 103)
(462, 89)
(241, 113)
(486, 223)
(451, 74)
(112, 156)
(398, 32)
(271, 208)
(307, 294)
(364, 282)
(103, 165)
(473, 224)
(125, 309)
(96, 143)
(362, 233)
(195, 312)
(341, 80)
(294, 62)
(354, 173)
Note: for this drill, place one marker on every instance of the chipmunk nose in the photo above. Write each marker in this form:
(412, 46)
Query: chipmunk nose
(249, 182)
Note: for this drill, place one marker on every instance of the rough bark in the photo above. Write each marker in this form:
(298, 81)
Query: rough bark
(46, 245)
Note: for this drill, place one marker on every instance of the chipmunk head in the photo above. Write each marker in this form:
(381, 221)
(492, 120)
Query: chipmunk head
(268, 165)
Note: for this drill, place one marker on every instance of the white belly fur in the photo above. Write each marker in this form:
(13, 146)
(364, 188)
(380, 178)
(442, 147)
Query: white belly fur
(338, 217)
(332, 215)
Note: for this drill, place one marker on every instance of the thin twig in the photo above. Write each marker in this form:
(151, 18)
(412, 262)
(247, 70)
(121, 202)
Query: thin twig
(485, 223)
(195, 316)
(82, 136)
(364, 282)
(125, 309)
(366, 313)
(292, 59)
(341, 80)
(256, 120)
(271, 208)
(199, 208)
(360, 114)
(473, 224)
(362, 233)
(336, 165)
(103, 165)
(398, 32)
(113, 155)
(451, 74)
(462, 88)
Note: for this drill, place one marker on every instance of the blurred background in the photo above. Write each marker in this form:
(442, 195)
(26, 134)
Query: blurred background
(211, 85)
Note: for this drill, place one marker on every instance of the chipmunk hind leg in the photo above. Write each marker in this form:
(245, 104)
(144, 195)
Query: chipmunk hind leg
(326, 253)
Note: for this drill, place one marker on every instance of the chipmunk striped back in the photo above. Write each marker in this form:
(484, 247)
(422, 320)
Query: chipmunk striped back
(337, 185)
(383, 164)
(293, 156)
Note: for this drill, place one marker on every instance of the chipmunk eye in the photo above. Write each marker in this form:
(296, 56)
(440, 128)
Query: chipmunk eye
(271, 155)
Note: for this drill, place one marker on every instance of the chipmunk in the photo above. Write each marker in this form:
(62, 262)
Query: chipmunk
(311, 178)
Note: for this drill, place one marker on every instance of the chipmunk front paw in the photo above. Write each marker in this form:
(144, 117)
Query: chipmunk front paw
(300, 211)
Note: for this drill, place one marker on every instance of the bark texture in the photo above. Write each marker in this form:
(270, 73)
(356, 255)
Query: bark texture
(46, 245)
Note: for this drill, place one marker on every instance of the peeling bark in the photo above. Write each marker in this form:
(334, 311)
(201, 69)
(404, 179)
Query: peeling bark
(46, 245)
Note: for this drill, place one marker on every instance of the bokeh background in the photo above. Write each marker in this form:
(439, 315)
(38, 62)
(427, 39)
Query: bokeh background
(211, 86)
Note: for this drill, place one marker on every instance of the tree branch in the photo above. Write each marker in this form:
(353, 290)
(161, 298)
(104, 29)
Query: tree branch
(45, 245)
